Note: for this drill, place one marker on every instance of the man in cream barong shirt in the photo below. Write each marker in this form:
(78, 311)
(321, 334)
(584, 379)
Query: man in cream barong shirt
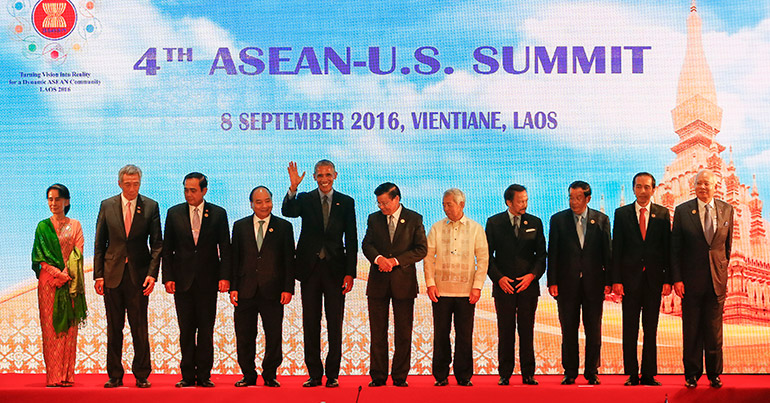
(455, 271)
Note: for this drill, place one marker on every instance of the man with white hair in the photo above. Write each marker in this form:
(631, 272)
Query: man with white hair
(701, 239)
(455, 270)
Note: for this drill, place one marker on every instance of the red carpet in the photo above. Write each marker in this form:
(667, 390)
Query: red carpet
(88, 388)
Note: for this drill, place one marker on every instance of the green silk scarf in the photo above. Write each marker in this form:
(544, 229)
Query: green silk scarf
(69, 307)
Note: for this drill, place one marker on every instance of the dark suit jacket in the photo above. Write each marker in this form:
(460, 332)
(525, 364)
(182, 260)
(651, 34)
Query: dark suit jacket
(513, 256)
(631, 254)
(409, 246)
(183, 260)
(339, 238)
(112, 247)
(693, 261)
(567, 261)
(267, 272)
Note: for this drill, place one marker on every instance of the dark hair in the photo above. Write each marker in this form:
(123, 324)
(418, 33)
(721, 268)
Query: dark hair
(581, 185)
(64, 193)
(323, 163)
(633, 181)
(203, 181)
(388, 187)
(512, 190)
(251, 195)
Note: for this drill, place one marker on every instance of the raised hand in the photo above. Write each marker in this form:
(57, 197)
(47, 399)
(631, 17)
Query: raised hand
(294, 176)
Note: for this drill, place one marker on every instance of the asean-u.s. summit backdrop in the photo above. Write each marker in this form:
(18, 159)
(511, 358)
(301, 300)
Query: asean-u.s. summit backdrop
(430, 95)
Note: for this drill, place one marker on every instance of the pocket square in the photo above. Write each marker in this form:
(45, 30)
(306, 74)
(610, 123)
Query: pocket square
(530, 230)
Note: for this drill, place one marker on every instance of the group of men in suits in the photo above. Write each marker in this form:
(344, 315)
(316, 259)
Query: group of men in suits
(641, 262)
(644, 260)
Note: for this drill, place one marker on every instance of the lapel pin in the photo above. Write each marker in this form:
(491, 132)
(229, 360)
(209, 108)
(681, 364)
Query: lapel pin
(694, 212)
(525, 222)
(336, 204)
(269, 230)
(593, 221)
(402, 221)
(652, 215)
(206, 214)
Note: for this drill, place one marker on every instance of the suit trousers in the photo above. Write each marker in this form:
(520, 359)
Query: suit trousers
(196, 311)
(464, 313)
(513, 309)
(379, 318)
(322, 288)
(702, 333)
(245, 318)
(641, 299)
(127, 298)
(569, 317)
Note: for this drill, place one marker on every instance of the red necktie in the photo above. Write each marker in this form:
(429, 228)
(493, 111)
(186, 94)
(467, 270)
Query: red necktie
(642, 222)
(127, 218)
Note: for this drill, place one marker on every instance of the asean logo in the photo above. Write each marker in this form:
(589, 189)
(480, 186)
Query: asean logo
(54, 19)
(53, 30)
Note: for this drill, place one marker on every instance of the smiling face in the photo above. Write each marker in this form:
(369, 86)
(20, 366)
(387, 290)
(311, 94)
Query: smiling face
(705, 186)
(261, 203)
(325, 176)
(56, 203)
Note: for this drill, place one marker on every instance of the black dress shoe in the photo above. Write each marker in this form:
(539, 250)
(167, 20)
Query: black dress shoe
(503, 381)
(593, 380)
(332, 383)
(690, 382)
(568, 380)
(649, 381)
(184, 384)
(206, 383)
(272, 383)
(400, 384)
(716, 382)
(465, 382)
(443, 382)
(143, 383)
(113, 383)
(528, 380)
(632, 380)
(311, 383)
(374, 383)
(245, 382)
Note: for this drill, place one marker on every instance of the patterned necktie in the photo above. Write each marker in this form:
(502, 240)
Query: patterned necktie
(391, 226)
(127, 218)
(642, 222)
(708, 225)
(325, 208)
(196, 225)
(260, 235)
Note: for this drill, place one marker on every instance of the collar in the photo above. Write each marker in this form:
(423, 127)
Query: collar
(124, 200)
(329, 195)
(701, 204)
(584, 214)
(397, 214)
(511, 215)
(200, 208)
(257, 220)
(638, 207)
(463, 220)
